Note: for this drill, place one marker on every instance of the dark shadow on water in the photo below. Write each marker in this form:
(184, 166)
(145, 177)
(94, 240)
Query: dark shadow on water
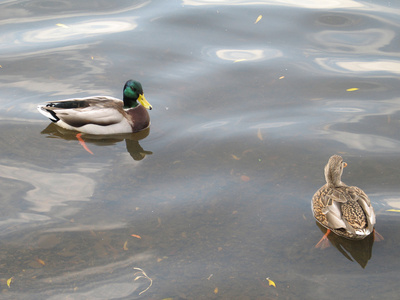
(131, 139)
(354, 250)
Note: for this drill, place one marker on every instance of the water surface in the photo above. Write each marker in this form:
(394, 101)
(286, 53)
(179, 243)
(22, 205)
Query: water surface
(245, 116)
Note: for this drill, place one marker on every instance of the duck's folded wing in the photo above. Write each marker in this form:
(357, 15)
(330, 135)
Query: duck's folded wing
(361, 195)
(90, 115)
(333, 215)
(338, 196)
(365, 203)
(79, 112)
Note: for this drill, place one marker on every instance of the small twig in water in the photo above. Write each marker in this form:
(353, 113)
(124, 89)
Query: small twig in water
(144, 275)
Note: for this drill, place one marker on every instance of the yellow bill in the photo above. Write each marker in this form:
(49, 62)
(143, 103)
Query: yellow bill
(142, 100)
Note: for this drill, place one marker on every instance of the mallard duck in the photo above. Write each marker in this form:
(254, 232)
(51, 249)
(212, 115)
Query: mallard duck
(345, 210)
(101, 114)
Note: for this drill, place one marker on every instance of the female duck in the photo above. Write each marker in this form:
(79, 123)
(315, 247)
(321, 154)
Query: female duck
(345, 210)
(102, 114)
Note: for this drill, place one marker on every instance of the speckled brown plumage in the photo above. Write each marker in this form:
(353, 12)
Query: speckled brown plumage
(345, 210)
(354, 214)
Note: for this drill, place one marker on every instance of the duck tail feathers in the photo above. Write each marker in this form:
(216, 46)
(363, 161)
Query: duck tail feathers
(48, 113)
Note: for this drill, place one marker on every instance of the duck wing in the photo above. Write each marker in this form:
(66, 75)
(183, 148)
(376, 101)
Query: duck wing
(331, 202)
(333, 215)
(365, 204)
(99, 110)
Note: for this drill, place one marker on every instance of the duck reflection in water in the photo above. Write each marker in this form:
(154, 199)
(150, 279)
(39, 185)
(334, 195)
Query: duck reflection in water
(354, 250)
(131, 139)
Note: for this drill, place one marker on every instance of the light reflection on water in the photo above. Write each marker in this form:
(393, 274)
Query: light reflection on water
(76, 31)
(245, 116)
(237, 55)
(311, 4)
(387, 66)
(46, 194)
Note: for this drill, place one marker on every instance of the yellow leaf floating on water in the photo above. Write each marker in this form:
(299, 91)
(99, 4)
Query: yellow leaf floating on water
(239, 60)
(9, 280)
(281, 77)
(216, 290)
(62, 25)
(352, 90)
(40, 261)
(270, 282)
(395, 210)
(258, 19)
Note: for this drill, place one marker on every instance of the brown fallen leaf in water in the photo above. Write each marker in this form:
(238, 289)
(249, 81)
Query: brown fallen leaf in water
(247, 151)
(216, 290)
(40, 261)
(245, 178)
(235, 157)
(281, 77)
(125, 245)
(259, 135)
(136, 236)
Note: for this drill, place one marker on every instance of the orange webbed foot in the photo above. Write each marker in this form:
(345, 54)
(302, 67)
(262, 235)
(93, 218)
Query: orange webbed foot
(377, 236)
(82, 142)
(324, 242)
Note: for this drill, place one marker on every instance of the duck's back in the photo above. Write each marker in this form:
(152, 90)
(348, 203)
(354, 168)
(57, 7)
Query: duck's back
(339, 209)
(319, 203)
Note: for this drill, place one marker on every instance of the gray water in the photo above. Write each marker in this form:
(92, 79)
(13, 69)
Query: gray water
(245, 116)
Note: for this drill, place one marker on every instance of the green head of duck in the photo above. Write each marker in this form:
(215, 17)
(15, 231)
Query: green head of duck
(133, 95)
